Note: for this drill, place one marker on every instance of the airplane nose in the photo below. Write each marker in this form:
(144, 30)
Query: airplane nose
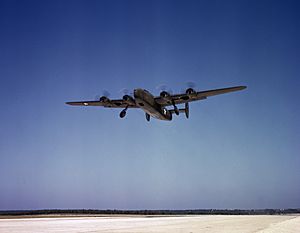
(135, 93)
(138, 93)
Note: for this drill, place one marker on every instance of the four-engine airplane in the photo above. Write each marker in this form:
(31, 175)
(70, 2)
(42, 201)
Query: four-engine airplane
(156, 106)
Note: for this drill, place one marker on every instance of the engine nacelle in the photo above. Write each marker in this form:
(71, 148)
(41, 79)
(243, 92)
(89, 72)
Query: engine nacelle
(128, 99)
(165, 94)
(190, 91)
(104, 99)
(167, 113)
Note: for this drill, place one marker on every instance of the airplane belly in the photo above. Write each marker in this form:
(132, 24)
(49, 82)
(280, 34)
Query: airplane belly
(151, 108)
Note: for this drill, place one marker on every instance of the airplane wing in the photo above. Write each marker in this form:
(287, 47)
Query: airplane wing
(185, 98)
(120, 103)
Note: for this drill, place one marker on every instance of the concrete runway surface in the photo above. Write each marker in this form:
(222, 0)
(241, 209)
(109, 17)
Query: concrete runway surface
(183, 224)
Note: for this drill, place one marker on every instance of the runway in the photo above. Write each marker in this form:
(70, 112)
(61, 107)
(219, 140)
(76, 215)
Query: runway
(182, 224)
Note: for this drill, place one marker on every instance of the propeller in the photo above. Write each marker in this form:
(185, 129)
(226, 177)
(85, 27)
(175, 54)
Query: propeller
(164, 87)
(189, 86)
(125, 91)
(105, 93)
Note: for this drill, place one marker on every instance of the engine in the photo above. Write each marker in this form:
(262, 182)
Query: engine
(128, 99)
(190, 91)
(104, 99)
(167, 113)
(165, 95)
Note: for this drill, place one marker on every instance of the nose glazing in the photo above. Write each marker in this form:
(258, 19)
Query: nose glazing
(136, 93)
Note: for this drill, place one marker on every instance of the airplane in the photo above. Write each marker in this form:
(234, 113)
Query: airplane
(155, 106)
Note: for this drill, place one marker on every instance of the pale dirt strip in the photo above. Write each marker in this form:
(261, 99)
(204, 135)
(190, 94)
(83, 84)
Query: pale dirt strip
(188, 224)
(288, 226)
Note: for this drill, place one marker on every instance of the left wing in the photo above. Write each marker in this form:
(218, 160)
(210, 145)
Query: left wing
(119, 103)
(185, 98)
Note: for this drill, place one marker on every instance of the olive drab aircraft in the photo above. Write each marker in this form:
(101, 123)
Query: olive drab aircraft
(156, 106)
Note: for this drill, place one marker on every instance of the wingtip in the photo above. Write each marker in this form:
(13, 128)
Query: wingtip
(241, 87)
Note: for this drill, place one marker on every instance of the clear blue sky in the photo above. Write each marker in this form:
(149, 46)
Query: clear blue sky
(239, 150)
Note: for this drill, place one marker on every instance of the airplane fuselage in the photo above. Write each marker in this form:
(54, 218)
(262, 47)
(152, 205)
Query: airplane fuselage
(146, 101)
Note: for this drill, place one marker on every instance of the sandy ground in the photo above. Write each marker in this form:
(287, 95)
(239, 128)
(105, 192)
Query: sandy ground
(184, 224)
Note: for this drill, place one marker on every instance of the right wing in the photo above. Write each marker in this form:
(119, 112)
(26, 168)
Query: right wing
(185, 98)
(120, 103)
